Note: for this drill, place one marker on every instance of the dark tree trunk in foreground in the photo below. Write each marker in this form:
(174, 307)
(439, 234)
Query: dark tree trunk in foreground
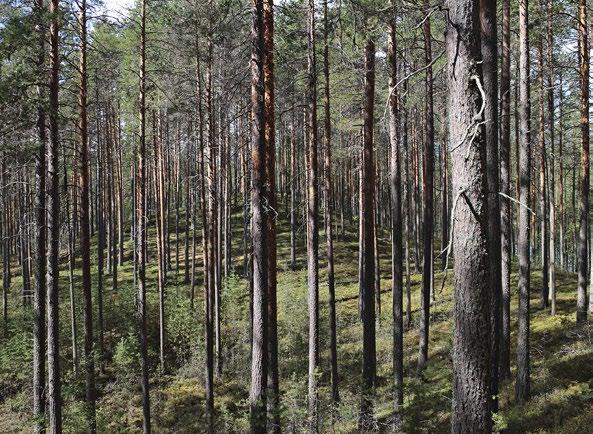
(312, 224)
(39, 296)
(367, 281)
(427, 198)
(490, 73)
(471, 338)
(259, 346)
(584, 124)
(85, 242)
(54, 394)
(396, 227)
(523, 382)
(141, 229)
(333, 345)
(504, 370)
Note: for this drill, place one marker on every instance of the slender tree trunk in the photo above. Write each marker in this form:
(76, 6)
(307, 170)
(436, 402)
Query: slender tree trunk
(71, 260)
(39, 296)
(293, 195)
(333, 345)
(396, 226)
(210, 232)
(489, 50)
(551, 165)
(54, 393)
(85, 245)
(427, 198)
(522, 385)
(270, 216)
(100, 237)
(312, 223)
(561, 215)
(543, 199)
(259, 343)
(584, 125)
(141, 228)
(504, 370)
(367, 281)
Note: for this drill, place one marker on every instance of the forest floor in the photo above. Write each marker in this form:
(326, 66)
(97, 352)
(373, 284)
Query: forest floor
(561, 353)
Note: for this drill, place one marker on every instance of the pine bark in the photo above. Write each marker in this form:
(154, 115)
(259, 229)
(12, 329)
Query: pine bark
(367, 281)
(39, 295)
(427, 196)
(54, 390)
(312, 223)
(259, 345)
(85, 246)
(396, 225)
(328, 187)
(584, 181)
(522, 385)
(504, 369)
(270, 217)
(472, 400)
(141, 229)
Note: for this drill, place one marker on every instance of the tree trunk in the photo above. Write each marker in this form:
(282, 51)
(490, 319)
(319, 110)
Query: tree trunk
(367, 281)
(551, 166)
(85, 243)
(333, 345)
(396, 226)
(270, 216)
(471, 339)
(584, 125)
(504, 370)
(427, 197)
(39, 296)
(543, 199)
(522, 384)
(141, 228)
(259, 343)
(490, 71)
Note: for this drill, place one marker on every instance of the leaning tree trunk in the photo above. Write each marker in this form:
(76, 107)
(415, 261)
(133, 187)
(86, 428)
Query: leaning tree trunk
(471, 339)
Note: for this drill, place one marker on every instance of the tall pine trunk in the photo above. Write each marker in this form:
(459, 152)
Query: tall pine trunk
(367, 281)
(584, 125)
(259, 345)
(396, 225)
(467, 102)
(522, 385)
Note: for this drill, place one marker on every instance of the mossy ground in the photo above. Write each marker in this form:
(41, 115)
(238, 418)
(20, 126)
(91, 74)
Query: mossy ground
(561, 353)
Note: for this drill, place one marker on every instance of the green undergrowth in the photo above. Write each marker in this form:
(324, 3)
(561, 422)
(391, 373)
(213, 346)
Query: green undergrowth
(561, 352)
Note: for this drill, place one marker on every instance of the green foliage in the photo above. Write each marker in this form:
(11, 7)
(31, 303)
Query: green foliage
(125, 356)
